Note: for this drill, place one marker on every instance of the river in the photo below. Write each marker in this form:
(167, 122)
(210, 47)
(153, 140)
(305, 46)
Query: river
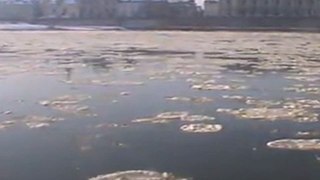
(69, 101)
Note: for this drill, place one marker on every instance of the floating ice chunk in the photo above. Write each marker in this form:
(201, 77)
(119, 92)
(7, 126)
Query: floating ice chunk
(217, 87)
(190, 99)
(303, 78)
(192, 118)
(201, 128)
(307, 134)
(153, 120)
(44, 118)
(66, 99)
(307, 90)
(69, 104)
(262, 103)
(211, 87)
(112, 125)
(224, 110)
(201, 100)
(300, 133)
(7, 112)
(168, 117)
(7, 124)
(302, 103)
(75, 109)
(33, 125)
(125, 93)
(251, 101)
(101, 82)
(83, 108)
(184, 99)
(32, 122)
(295, 144)
(273, 114)
(40, 121)
(161, 121)
(44, 103)
(143, 120)
(137, 175)
(133, 83)
(173, 115)
(235, 97)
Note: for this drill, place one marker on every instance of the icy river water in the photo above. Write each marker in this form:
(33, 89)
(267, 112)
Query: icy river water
(201, 105)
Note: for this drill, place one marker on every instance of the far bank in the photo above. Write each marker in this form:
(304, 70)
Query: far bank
(196, 24)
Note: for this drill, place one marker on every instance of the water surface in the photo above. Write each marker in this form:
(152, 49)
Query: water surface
(149, 67)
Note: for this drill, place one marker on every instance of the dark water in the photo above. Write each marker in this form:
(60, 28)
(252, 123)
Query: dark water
(164, 61)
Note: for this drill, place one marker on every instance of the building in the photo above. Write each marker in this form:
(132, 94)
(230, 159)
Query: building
(269, 8)
(211, 8)
(20, 10)
(98, 9)
(69, 9)
(130, 9)
(184, 8)
(143, 9)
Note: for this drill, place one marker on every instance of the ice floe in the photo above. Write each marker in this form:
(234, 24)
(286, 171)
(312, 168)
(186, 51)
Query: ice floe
(69, 104)
(167, 117)
(172, 115)
(295, 144)
(193, 118)
(201, 128)
(40, 121)
(197, 100)
(137, 175)
(217, 87)
(273, 114)
(7, 124)
(31, 121)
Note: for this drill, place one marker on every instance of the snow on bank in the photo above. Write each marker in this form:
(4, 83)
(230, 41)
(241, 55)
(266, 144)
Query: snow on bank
(37, 27)
(21, 26)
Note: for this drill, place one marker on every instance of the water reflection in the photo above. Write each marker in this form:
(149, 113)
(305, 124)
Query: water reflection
(68, 73)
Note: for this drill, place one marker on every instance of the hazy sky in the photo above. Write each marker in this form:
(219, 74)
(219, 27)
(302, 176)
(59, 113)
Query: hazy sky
(200, 1)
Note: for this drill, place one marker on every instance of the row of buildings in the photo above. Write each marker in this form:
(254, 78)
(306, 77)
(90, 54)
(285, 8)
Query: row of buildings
(154, 9)
(262, 8)
(97, 9)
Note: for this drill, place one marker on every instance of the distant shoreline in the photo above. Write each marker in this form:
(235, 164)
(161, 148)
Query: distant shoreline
(212, 24)
(247, 29)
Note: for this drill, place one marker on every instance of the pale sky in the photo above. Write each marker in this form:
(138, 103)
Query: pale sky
(200, 2)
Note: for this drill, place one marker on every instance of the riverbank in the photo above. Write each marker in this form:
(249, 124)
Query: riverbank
(195, 24)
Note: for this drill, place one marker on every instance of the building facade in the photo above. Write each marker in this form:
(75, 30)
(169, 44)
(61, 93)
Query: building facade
(98, 9)
(269, 8)
(16, 10)
(58, 9)
(184, 9)
(143, 9)
(211, 8)
(130, 9)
